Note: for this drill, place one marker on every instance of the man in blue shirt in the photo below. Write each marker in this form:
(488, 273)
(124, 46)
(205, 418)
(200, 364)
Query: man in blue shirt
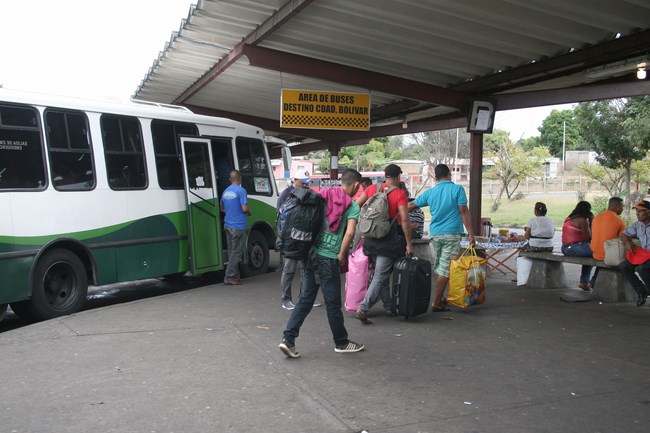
(641, 231)
(234, 202)
(448, 207)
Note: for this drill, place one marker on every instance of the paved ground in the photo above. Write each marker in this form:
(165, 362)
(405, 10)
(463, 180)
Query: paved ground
(206, 360)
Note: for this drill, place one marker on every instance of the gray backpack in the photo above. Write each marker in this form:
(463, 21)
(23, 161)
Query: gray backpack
(374, 222)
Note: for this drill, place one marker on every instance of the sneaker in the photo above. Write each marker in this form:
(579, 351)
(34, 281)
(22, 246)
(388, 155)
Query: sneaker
(232, 282)
(350, 347)
(288, 305)
(361, 315)
(317, 304)
(290, 349)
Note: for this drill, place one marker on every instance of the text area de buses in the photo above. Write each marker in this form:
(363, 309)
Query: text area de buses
(325, 107)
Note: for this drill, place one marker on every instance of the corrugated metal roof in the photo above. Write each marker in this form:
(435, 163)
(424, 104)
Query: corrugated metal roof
(447, 43)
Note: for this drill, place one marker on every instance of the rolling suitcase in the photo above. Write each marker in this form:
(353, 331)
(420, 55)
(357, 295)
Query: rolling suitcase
(411, 289)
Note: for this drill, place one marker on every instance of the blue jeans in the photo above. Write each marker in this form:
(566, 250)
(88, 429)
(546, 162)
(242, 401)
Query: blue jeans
(379, 284)
(330, 285)
(235, 239)
(580, 249)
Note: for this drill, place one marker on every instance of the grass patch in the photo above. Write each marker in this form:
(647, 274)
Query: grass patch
(517, 213)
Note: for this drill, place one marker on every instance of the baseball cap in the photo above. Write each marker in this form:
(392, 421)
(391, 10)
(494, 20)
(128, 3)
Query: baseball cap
(301, 175)
(643, 204)
(392, 170)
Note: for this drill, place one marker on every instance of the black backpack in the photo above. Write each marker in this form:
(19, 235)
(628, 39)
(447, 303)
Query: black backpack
(299, 223)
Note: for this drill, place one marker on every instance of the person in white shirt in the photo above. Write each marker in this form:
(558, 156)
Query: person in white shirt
(540, 231)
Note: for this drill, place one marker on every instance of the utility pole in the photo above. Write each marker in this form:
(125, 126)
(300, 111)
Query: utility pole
(563, 151)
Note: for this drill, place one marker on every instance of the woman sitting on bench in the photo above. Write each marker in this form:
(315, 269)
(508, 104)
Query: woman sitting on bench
(540, 231)
(576, 238)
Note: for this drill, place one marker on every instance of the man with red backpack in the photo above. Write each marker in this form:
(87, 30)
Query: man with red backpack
(385, 250)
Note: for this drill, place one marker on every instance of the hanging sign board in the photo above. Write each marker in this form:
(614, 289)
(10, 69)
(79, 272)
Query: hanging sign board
(325, 110)
(481, 116)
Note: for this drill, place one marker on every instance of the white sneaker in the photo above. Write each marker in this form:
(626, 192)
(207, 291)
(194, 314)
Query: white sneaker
(317, 304)
(350, 347)
(288, 305)
(289, 349)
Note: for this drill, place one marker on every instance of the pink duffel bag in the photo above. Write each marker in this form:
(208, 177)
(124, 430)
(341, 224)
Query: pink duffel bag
(356, 280)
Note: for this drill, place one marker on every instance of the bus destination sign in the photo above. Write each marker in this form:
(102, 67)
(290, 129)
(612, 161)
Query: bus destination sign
(325, 110)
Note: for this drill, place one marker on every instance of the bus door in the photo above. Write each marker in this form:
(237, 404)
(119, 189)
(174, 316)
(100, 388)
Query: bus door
(203, 218)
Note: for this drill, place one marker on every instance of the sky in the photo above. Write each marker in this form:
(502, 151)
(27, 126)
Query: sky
(103, 49)
(88, 48)
(523, 123)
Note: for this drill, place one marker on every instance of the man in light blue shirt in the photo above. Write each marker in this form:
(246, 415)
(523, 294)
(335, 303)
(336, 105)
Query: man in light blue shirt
(641, 231)
(448, 207)
(234, 202)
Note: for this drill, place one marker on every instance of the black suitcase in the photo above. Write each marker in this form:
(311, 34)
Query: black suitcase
(411, 289)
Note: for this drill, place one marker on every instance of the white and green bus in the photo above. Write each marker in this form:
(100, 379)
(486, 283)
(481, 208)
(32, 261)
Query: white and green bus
(98, 193)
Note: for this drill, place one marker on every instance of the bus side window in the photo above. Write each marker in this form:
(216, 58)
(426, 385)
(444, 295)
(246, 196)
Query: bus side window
(125, 162)
(253, 166)
(22, 162)
(71, 159)
(166, 148)
(222, 161)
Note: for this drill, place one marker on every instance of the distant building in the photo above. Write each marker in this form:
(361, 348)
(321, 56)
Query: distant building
(297, 165)
(551, 167)
(576, 157)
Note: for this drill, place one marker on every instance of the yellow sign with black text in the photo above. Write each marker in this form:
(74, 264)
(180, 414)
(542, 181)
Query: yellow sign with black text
(325, 110)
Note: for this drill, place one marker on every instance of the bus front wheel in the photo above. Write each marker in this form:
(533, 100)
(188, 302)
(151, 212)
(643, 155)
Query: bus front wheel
(258, 256)
(59, 287)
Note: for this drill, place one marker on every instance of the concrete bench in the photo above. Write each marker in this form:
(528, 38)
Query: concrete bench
(547, 272)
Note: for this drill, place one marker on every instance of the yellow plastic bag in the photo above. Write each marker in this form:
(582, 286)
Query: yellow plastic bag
(467, 279)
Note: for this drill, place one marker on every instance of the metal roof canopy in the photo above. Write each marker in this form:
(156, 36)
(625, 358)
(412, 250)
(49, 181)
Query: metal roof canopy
(422, 61)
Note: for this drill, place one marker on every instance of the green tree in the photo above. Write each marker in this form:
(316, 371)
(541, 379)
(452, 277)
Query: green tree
(618, 130)
(366, 157)
(530, 143)
(614, 179)
(492, 142)
(512, 165)
(439, 147)
(552, 132)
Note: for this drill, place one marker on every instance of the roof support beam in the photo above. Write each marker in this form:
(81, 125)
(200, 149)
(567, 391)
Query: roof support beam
(562, 65)
(274, 22)
(448, 121)
(337, 73)
(593, 92)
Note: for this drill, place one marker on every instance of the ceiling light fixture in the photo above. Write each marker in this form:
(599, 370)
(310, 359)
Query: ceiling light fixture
(618, 68)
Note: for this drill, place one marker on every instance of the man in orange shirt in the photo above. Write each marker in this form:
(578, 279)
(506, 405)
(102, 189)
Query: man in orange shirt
(605, 226)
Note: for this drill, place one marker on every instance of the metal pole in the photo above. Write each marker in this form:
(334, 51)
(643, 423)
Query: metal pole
(563, 151)
(456, 159)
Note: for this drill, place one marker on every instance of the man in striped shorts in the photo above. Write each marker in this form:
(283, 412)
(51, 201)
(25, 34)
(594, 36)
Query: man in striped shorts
(448, 206)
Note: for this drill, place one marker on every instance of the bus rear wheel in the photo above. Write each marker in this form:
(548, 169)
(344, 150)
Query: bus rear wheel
(258, 256)
(59, 287)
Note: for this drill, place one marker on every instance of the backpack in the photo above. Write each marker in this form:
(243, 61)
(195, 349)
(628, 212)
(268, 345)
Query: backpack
(299, 223)
(374, 222)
